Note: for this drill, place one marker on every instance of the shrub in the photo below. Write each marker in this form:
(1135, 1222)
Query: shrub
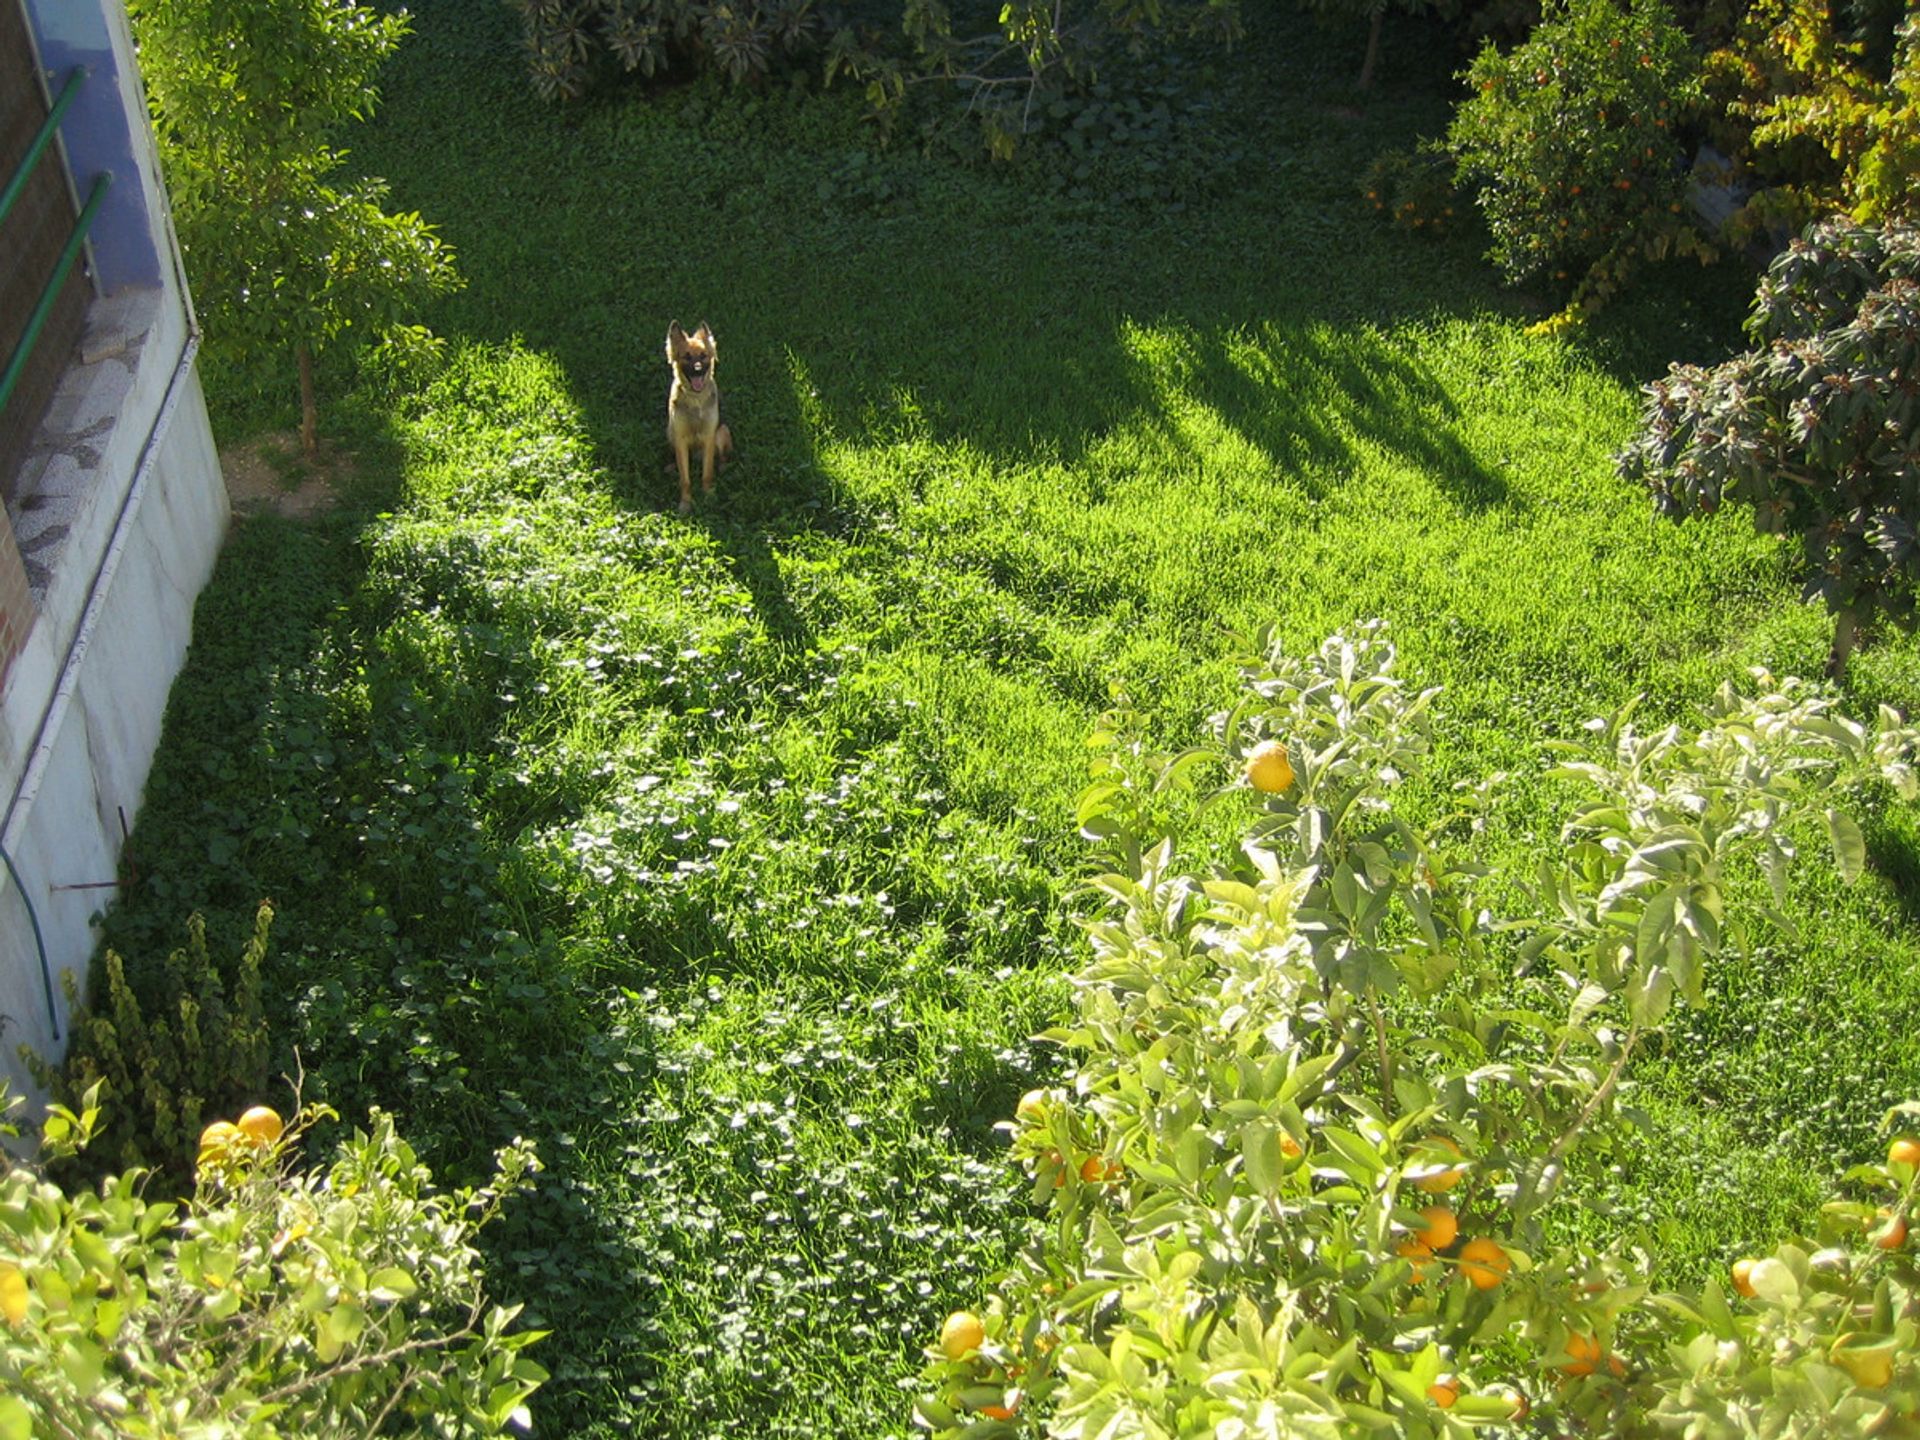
(1036, 63)
(273, 1302)
(1412, 189)
(197, 1044)
(1569, 143)
(1297, 1181)
(1830, 125)
(1818, 429)
(745, 43)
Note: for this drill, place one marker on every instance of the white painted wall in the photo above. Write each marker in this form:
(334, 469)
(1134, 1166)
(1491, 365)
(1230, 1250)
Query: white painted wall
(124, 514)
(65, 829)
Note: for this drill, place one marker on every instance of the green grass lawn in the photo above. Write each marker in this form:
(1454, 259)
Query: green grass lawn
(731, 858)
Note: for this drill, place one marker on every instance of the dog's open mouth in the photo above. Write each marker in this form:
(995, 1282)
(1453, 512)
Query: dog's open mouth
(695, 374)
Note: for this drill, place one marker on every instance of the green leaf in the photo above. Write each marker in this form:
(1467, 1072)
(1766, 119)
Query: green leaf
(1363, 1157)
(1774, 1281)
(83, 1364)
(1266, 1166)
(16, 1421)
(390, 1284)
(1849, 845)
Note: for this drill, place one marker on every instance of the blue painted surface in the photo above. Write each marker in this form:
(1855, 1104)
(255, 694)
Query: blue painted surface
(98, 137)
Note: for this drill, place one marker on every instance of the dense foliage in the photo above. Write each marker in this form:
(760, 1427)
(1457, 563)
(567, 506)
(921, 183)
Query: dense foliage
(1302, 1177)
(275, 1301)
(285, 253)
(564, 38)
(195, 1044)
(1817, 429)
(1571, 141)
(1006, 76)
(1822, 122)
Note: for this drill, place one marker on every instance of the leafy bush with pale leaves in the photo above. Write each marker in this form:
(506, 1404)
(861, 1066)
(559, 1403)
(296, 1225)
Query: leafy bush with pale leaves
(1297, 1182)
(275, 1301)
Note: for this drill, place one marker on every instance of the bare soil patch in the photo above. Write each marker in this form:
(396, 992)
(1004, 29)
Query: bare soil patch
(269, 474)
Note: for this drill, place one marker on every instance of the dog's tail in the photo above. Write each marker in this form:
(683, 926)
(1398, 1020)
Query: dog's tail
(723, 444)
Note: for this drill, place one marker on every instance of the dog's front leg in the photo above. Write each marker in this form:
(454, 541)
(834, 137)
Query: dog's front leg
(706, 466)
(685, 462)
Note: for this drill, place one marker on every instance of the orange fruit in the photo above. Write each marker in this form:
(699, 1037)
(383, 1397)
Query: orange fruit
(1891, 1233)
(1432, 1177)
(262, 1125)
(1268, 768)
(1032, 1109)
(1484, 1263)
(1743, 1276)
(219, 1141)
(998, 1412)
(1583, 1354)
(1442, 1227)
(1444, 1391)
(14, 1295)
(1518, 1405)
(1904, 1151)
(1422, 1257)
(1097, 1170)
(962, 1334)
(1289, 1146)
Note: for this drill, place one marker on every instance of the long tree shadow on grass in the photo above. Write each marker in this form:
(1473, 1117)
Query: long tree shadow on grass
(324, 749)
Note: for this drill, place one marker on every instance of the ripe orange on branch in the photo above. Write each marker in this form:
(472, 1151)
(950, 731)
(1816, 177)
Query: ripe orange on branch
(219, 1142)
(962, 1334)
(1435, 1177)
(1484, 1263)
(1583, 1354)
(1891, 1232)
(1441, 1229)
(262, 1125)
(1743, 1275)
(1268, 768)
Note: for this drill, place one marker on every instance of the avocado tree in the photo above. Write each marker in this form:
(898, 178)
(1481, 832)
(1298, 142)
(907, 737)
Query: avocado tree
(1817, 429)
(247, 98)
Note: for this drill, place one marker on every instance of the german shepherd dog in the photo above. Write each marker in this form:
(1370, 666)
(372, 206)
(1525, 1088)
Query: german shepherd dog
(693, 409)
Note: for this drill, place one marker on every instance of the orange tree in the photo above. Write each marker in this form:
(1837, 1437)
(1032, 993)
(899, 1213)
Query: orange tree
(1325, 1158)
(276, 1300)
(1570, 143)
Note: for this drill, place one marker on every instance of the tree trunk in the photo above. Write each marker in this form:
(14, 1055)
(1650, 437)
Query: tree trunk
(309, 405)
(1844, 631)
(1373, 47)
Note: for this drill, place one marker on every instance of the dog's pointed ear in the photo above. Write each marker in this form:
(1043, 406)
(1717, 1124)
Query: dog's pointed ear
(675, 335)
(704, 334)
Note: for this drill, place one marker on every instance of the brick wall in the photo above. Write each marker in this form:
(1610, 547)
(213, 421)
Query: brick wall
(31, 239)
(16, 602)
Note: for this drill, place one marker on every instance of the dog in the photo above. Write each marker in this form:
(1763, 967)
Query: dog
(693, 409)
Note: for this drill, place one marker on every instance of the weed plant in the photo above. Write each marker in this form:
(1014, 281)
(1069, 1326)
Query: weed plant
(731, 859)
